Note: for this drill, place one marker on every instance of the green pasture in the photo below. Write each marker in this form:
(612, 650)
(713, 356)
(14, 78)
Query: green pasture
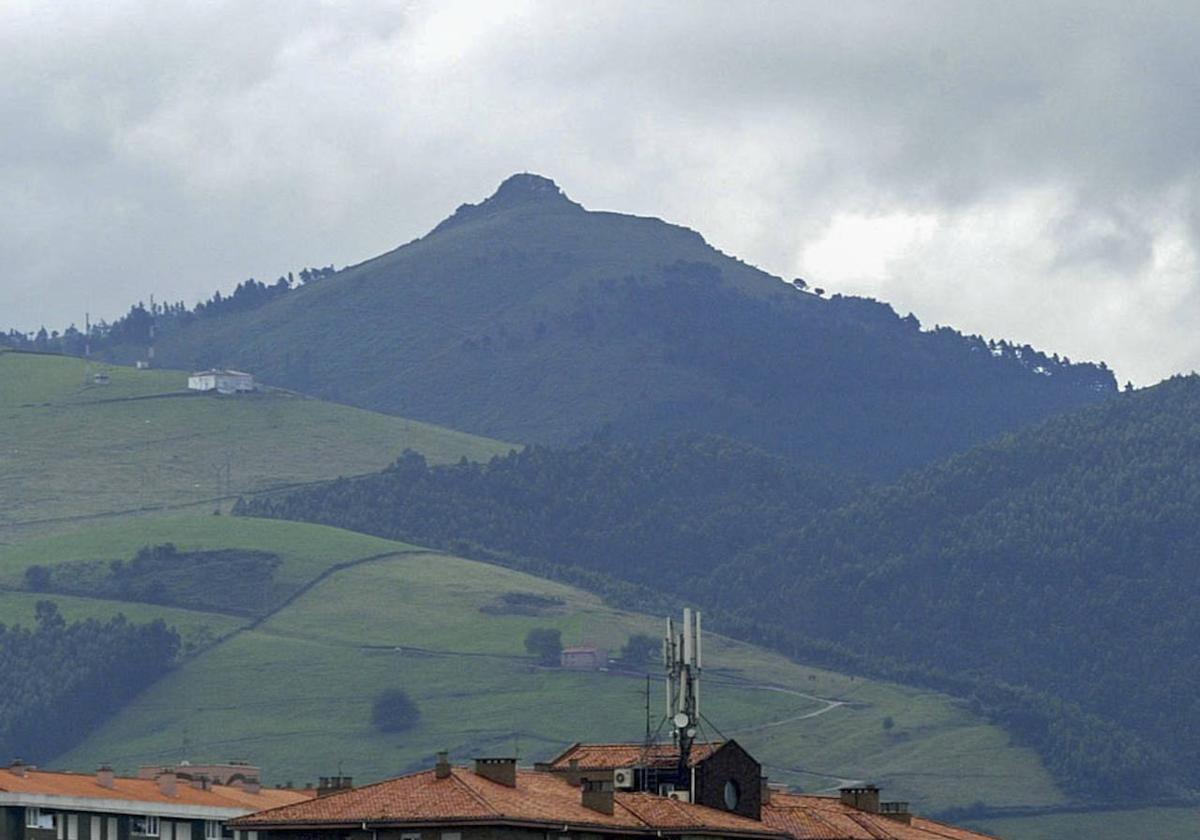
(71, 449)
(294, 694)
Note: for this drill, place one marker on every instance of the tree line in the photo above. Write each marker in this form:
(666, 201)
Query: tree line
(139, 326)
(61, 679)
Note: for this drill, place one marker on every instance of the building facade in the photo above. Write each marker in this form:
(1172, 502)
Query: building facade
(221, 381)
(42, 805)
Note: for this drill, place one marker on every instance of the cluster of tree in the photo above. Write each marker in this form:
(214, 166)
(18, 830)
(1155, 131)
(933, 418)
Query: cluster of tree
(394, 711)
(61, 680)
(545, 644)
(1032, 574)
(237, 581)
(641, 651)
(138, 327)
(659, 515)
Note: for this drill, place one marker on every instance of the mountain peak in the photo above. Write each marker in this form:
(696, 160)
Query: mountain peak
(526, 186)
(525, 189)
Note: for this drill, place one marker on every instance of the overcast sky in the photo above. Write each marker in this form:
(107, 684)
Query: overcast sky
(1021, 170)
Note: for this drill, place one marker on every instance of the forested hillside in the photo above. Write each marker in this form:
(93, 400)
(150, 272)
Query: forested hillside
(1062, 558)
(60, 680)
(528, 318)
(1035, 573)
(657, 515)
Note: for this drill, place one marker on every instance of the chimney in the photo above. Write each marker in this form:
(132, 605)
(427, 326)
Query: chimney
(17, 768)
(441, 770)
(897, 811)
(764, 790)
(166, 782)
(863, 797)
(199, 781)
(105, 777)
(573, 775)
(326, 785)
(253, 785)
(502, 771)
(598, 795)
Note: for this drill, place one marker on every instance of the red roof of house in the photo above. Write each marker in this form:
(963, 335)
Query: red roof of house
(613, 756)
(87, 786)
(826, 818)
(538, 798)
(548, 799)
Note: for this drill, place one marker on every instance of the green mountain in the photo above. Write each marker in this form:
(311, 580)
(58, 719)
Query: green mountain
(1033, 574)
(292, 686)
(1062, 559)
(528, 318)
(140, 443)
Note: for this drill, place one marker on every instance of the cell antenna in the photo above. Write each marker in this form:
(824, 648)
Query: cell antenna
(682, 658)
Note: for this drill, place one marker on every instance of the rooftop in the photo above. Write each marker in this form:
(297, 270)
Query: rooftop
(827, 818)
(46, 783)
(613, 756)
(541, 799)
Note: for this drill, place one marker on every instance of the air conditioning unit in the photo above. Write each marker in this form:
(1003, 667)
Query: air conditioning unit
(623, 778)
(680, 795)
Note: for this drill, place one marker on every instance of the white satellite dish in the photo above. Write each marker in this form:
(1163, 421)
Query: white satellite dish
(681, 720)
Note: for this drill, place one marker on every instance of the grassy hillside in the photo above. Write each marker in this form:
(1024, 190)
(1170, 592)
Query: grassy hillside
(294, 692)
(1159, 823)
(71, 449)
(529, 318)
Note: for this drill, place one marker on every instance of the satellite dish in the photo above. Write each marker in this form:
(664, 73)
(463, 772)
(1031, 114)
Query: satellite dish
(682, 720)
(691, 733)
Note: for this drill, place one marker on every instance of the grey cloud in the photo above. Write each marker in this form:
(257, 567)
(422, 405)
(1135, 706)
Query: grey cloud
(174, 148)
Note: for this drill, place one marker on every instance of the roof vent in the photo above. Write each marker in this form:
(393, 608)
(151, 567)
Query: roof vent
(441, 770)
(105, 777)
(862, 797)
(502, 771)
(18, 767)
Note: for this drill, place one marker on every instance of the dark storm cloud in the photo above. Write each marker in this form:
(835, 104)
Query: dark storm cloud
(1024, 170)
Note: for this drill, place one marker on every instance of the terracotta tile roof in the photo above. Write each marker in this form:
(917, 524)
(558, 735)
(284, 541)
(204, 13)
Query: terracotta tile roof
(612, 756)
(86, 786)
(826, 818)
(539, 798)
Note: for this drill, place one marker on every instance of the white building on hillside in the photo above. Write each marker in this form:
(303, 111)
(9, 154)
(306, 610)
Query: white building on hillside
(221, 381)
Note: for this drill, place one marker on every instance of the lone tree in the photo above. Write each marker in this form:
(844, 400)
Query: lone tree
(394, 711)
(546, 644)
(639, 650)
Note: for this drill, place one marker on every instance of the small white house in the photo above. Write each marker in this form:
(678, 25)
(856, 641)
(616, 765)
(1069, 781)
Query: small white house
(221, 381)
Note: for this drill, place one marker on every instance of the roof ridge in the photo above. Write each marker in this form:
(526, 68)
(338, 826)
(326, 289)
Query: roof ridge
(475, 794)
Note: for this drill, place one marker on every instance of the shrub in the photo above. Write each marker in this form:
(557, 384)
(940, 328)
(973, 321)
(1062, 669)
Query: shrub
(546, 644)
(394, 711)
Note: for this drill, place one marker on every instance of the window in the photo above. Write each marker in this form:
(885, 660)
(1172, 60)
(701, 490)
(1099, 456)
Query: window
(411, 835)
(145, 826)
(451, 835)
(72, 827)
(212, 830)
(731, 795)
(37, 818)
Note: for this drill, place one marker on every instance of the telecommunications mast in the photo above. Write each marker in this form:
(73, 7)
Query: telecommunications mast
(682, 660)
